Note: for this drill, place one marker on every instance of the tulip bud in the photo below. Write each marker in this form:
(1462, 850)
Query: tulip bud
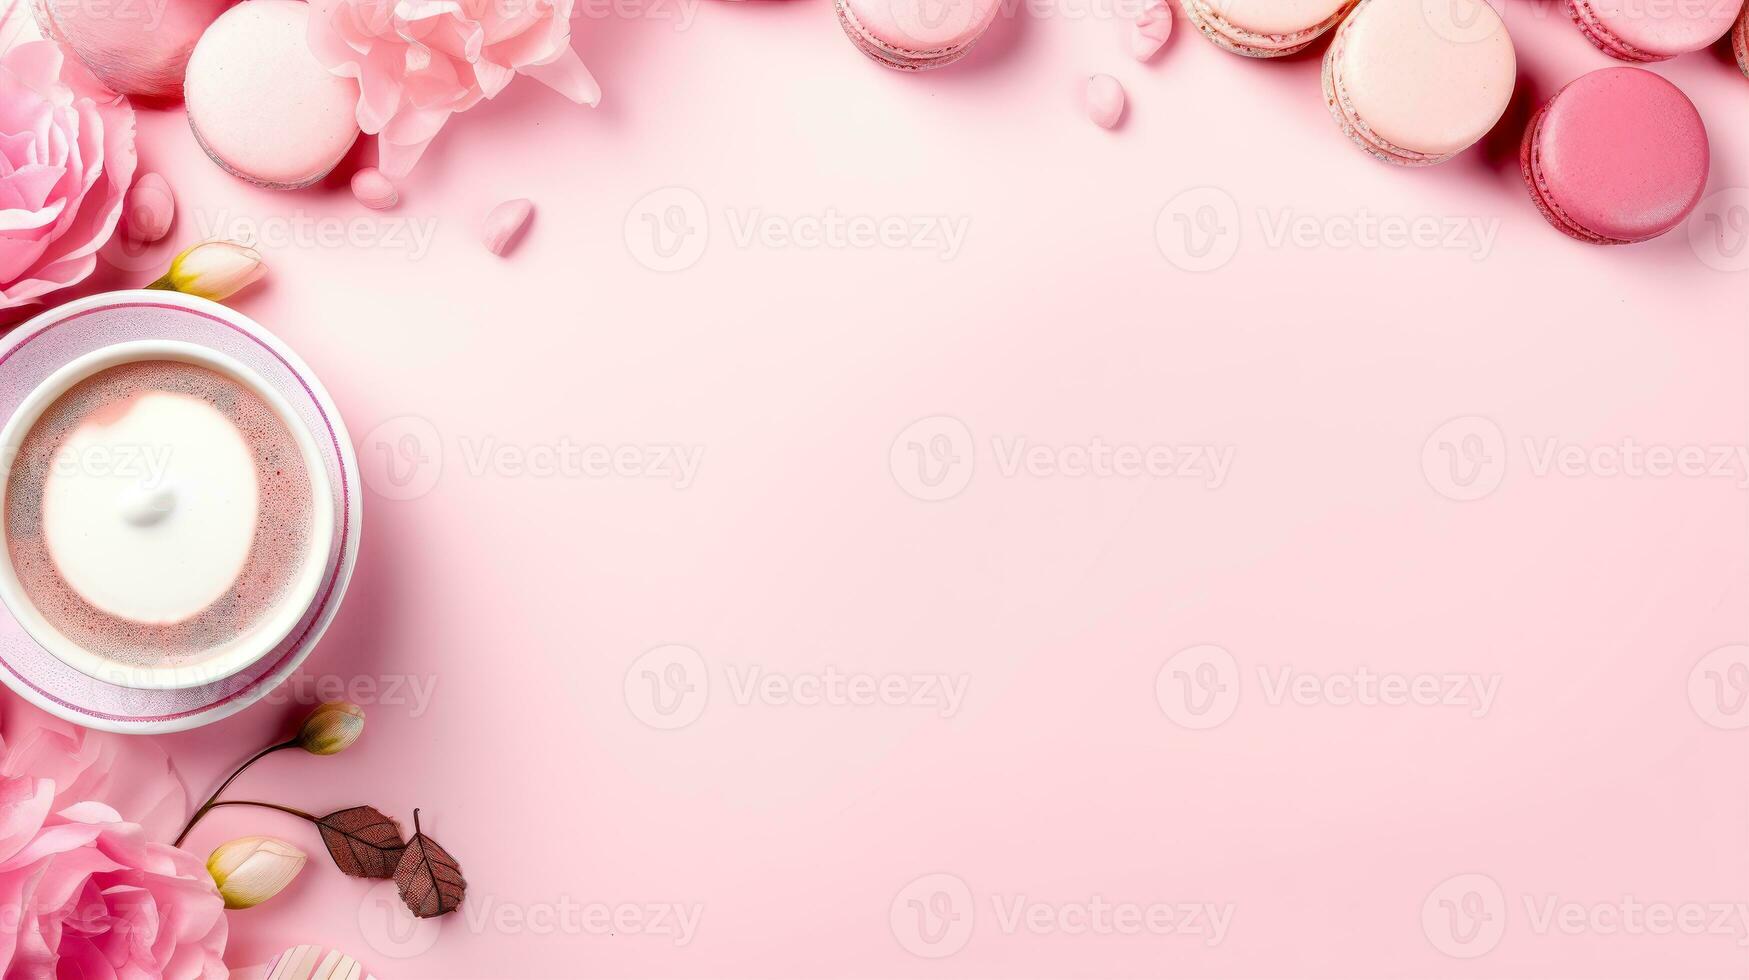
(251, 870)
(212, 270)
(331, 728)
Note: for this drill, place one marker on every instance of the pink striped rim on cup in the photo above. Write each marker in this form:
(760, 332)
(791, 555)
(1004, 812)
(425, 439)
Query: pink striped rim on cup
(37, 349)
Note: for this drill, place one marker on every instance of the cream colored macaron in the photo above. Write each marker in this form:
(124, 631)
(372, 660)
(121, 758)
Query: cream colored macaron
(1415, 82)
(260, 103)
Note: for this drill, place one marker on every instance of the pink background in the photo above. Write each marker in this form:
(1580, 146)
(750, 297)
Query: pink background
(522, 601)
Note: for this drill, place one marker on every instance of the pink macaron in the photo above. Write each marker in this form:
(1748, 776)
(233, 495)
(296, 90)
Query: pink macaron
(259, 102)
(1618, 156)
(1415, 83)
(1740, 40)
(1653, 30)
(1264, 28)
(913, 35)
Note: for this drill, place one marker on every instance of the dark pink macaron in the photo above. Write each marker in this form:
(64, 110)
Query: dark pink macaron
(1618, 156)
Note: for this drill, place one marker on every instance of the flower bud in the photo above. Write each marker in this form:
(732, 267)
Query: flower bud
(212, 270)
(331, 728)
(251, 870)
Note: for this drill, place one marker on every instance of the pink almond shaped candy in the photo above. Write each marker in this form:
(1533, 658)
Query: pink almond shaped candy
(1105, 100)
(1617, 156)
(1415, 82)
(505, 222)
(373, 190)
(259, 102)
(914, 35)
(150, 209)
(1264, 28)
(1653, 30)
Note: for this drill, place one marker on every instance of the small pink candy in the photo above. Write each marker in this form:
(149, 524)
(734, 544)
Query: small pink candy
(150, 209)
(1152, 29)
(504, 222)
(1104, 100)
(373, 190)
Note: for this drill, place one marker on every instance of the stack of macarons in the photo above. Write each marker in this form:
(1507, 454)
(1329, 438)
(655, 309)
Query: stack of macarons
(1264, 28)
(914, 35)
(1640, 31)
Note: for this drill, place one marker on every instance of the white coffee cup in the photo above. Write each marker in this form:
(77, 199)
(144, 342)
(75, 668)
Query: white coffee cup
(235, 653)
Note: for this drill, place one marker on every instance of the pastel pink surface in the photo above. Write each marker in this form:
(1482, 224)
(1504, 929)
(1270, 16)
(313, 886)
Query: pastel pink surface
(1622, 153)
(1430, 76)
(260, 102)
(1657, 29)
(496, 612)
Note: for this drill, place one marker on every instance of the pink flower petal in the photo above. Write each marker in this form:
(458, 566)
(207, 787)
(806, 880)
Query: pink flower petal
(1151, 30)
(418, 62)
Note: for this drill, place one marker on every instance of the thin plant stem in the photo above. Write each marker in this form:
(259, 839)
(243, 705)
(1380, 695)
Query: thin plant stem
(294, 811)
(213, 799)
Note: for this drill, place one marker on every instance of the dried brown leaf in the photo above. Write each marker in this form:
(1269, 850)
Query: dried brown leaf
(363, 841)
(430, 881)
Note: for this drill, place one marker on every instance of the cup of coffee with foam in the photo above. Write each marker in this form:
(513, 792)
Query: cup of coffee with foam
(167, 518)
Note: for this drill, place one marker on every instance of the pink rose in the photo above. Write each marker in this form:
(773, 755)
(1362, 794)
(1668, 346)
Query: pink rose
(85, 894)
(419, 61)
(66, 160)
(129, 775)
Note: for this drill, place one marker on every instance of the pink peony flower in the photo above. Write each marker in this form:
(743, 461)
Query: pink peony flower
(129, 775)
(66, 160)
(419, 61)
(85, 894)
